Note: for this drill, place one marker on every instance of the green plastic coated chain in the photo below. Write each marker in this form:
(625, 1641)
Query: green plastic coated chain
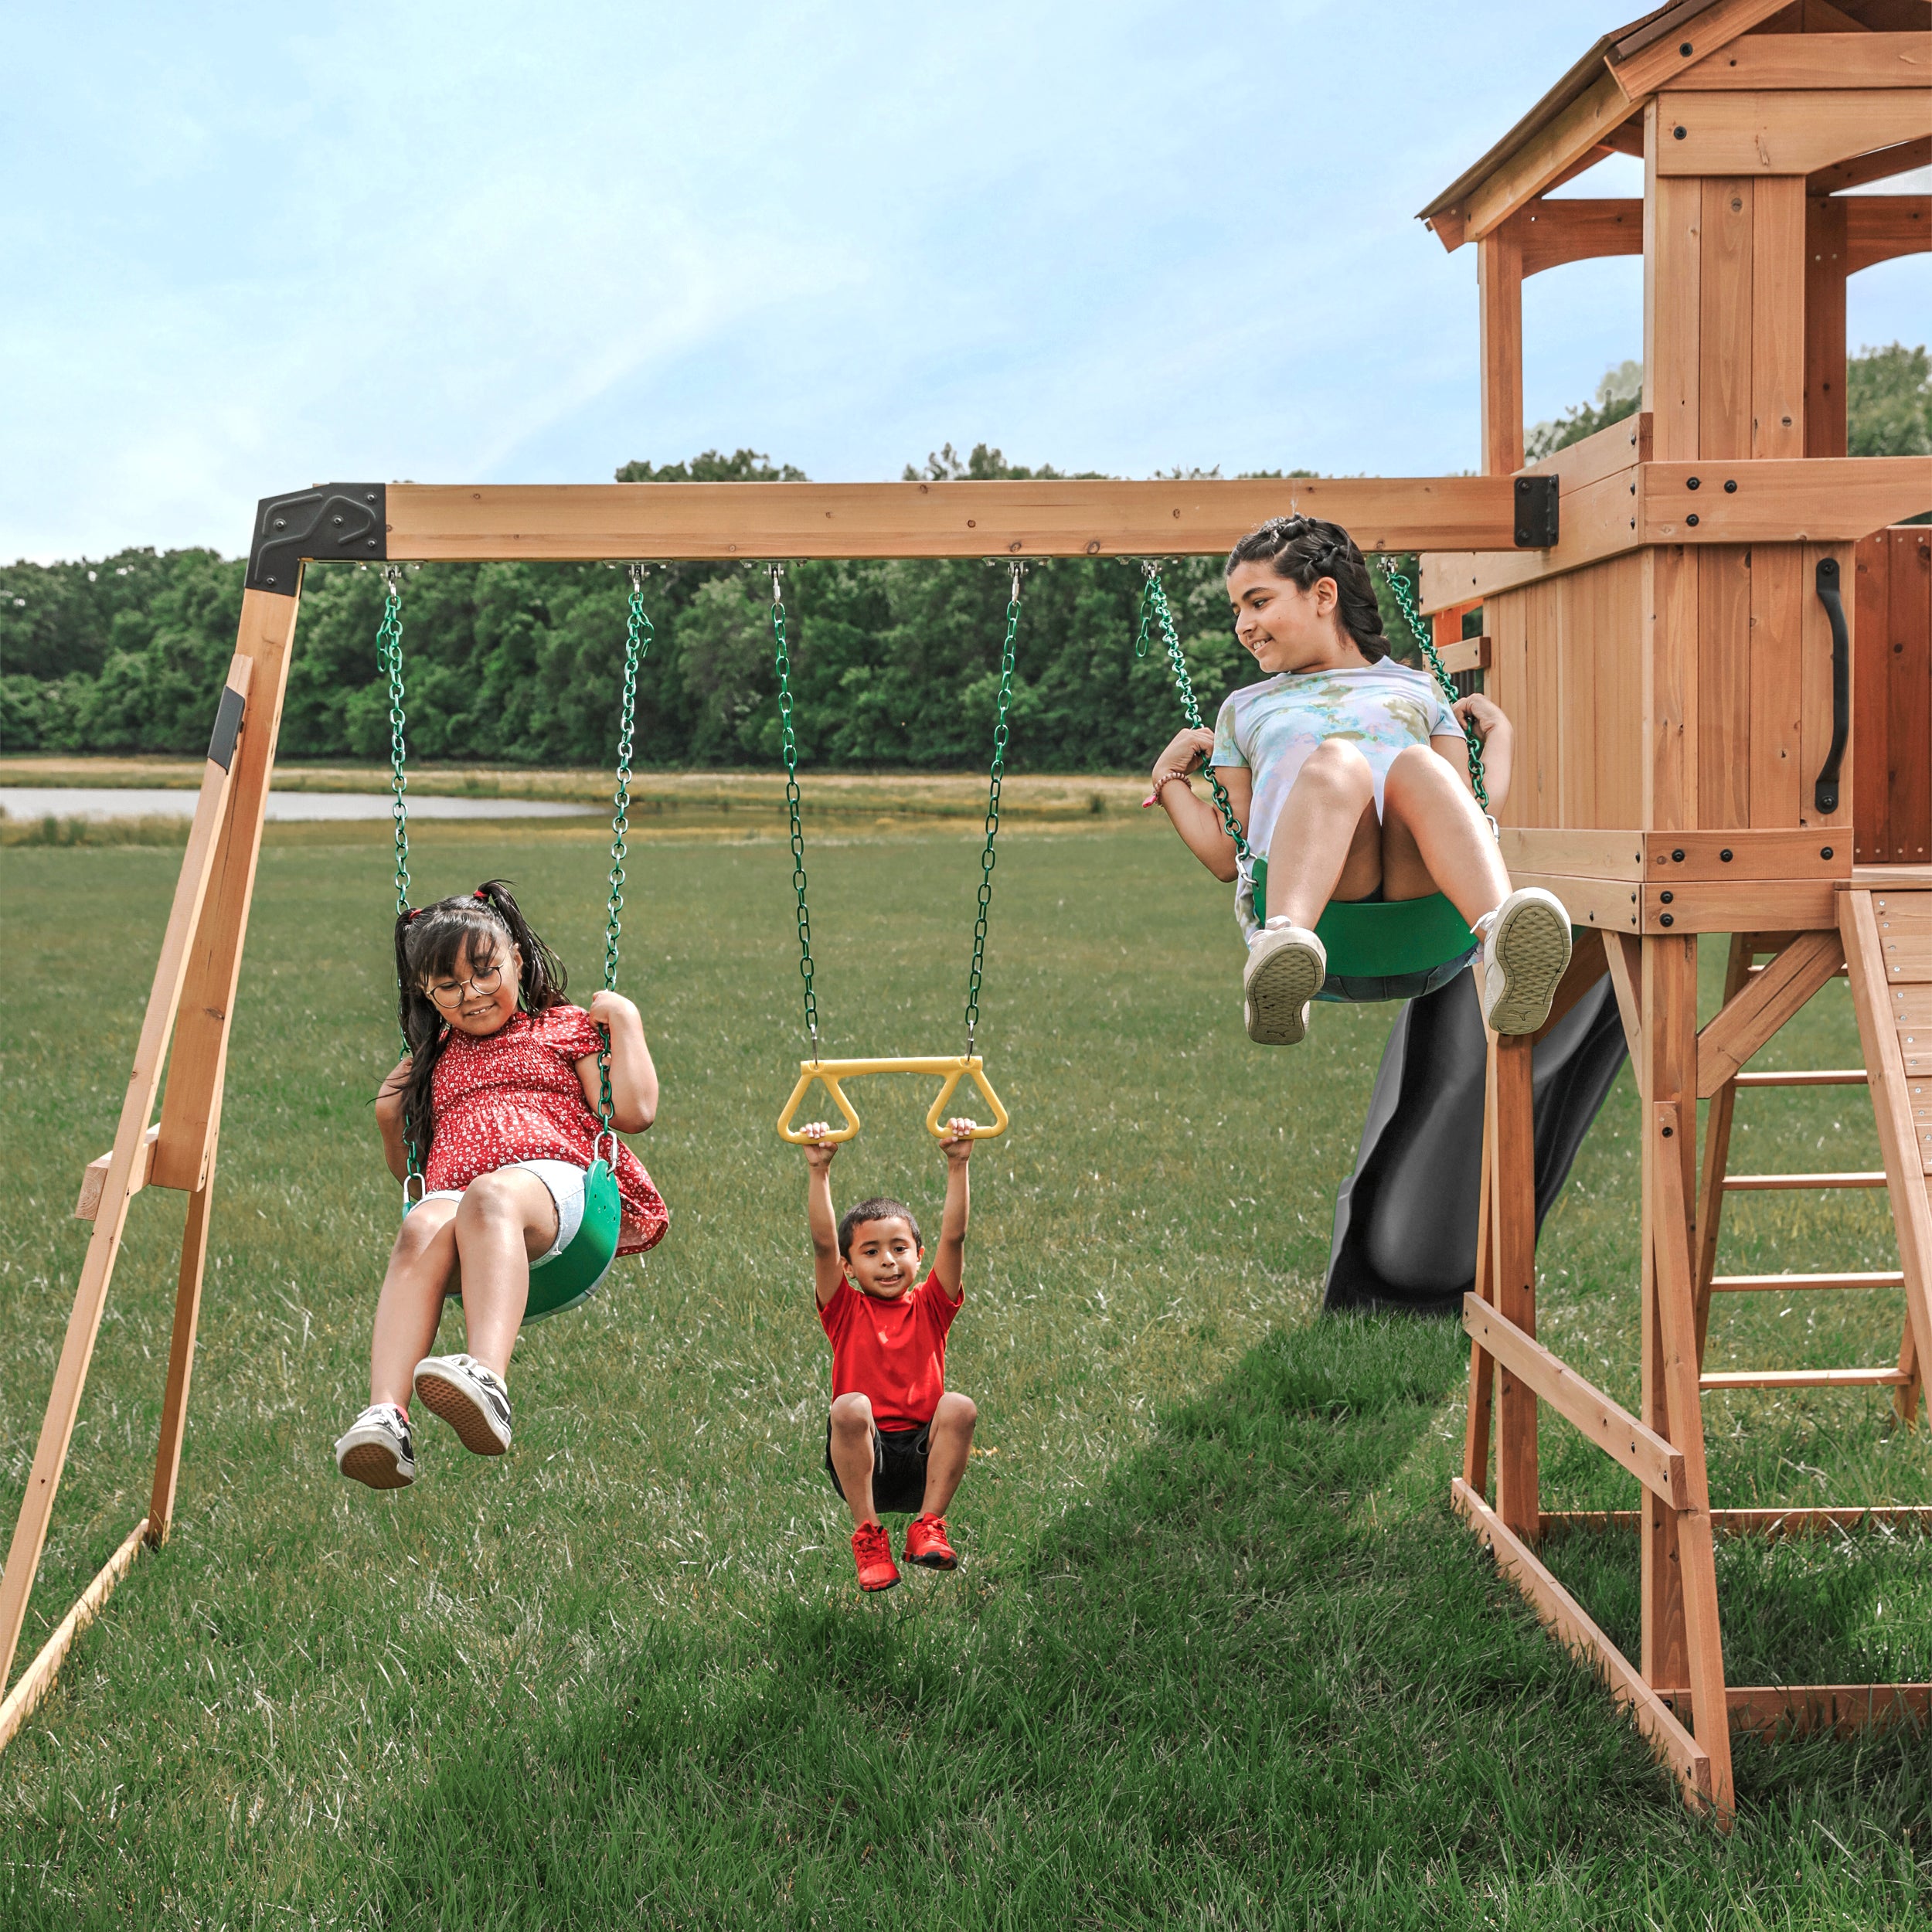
(1399, 586)
(1153, 602)
(782, 657)
(996, 774)
(638, 635)
(389, 657)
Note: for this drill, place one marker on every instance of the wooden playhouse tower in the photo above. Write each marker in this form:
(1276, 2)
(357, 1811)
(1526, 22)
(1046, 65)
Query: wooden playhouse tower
(1679, 666)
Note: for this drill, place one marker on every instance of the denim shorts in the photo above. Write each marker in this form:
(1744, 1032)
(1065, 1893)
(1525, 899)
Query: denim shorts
(1366, 988)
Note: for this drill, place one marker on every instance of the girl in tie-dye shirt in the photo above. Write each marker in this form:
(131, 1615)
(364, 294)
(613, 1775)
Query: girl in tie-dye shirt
(1348, 772)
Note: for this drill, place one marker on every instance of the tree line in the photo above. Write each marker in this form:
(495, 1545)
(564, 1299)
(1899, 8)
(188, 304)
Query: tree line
(895, 664)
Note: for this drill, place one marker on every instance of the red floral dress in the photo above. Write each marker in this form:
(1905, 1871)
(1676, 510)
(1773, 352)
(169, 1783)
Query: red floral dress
(515, 1096)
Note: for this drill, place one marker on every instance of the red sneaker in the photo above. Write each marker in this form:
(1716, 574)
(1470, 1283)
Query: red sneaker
(926, 1543)
(872, 1549)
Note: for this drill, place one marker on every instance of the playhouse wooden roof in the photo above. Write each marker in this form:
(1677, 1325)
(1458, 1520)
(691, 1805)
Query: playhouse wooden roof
(1597, 108)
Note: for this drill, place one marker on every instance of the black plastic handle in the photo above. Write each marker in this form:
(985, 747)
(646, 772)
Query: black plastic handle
(1826, 795)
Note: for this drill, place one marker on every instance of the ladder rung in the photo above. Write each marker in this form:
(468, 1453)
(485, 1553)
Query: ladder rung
(1824, 1076)
(1748, 1181)
(1807, 1379)
(1771, 1283)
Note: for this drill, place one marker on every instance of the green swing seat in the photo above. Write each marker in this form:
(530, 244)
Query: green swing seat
(573, 1273)
(1383, 938)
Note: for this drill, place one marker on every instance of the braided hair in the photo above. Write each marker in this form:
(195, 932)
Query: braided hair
(464, 934)
(1306, 548)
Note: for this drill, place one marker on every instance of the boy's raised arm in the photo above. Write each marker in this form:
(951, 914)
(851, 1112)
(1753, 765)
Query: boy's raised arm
(949, 1262)
(827, 1273)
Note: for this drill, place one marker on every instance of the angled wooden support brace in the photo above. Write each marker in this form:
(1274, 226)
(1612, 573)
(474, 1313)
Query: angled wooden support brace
(1717, 1150)
(128, 1158)
(1623, 952)
(1769, 999)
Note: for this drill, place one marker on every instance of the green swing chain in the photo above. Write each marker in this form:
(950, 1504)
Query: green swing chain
(1399, 586)
(389, 657)
(638, 635)
(782, 657)
(1153, 602)
(996, 775)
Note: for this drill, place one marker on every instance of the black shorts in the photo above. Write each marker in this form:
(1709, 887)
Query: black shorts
(898, 1467)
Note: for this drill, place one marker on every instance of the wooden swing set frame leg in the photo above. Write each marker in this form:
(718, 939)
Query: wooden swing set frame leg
(190, 1003)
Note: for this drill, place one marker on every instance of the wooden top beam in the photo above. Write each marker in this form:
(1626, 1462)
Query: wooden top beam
(1811, 60)
(1878, 227)
(756, 521)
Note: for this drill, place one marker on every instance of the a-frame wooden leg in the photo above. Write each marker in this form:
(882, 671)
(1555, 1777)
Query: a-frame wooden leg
(1717, 1152)
(1482, 1365)
(1512, 1241)
(1667, 1029)
(1704, 1645)
(103, 1247)
(191, 1112)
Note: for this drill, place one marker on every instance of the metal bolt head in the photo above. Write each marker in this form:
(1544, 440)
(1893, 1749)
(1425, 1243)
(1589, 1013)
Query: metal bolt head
(1666, 918)
(1692, 518)
(1825, 852)
(1677, 854)
(1693, 482)
(1725, 854)
(1730, 487)
(1678, 133)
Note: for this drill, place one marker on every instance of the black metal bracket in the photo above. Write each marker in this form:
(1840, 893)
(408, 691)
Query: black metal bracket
(1825, 796)
(228, 724)
(1537, 520)
(335, 522)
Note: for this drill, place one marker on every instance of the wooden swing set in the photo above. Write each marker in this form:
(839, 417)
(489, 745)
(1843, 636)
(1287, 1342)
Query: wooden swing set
(1653, 599)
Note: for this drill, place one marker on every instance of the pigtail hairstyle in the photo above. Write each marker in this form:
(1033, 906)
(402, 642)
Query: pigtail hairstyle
(1306, 548)
(462, 935)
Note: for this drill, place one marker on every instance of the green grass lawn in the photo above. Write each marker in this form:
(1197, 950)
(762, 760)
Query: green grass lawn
(1218, 1654)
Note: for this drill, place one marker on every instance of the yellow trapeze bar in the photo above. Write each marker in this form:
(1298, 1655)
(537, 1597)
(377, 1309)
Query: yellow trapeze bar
(952, 1067)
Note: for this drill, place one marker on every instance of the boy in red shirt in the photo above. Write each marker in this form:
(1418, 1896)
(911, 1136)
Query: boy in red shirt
(898, 1437)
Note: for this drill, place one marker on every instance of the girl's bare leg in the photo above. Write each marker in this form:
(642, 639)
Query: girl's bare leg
(852, 1453)
(1326, 836)
(504, 1222)
(947, 1444)
(421, 1266)
(1434, 838)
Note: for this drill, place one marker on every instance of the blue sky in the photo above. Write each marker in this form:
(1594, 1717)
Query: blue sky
(251, 248)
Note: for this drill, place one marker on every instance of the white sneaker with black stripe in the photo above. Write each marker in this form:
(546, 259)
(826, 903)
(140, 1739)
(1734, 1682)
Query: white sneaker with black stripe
(1525, 952)
(1286, 964)
(470, 1398)
(379, 1449)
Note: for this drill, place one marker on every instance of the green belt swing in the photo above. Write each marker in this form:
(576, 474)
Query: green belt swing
(574, 1272)
(1364, 939)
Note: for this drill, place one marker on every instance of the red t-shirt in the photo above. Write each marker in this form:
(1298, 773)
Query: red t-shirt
(514, 1095)
(893, 1351)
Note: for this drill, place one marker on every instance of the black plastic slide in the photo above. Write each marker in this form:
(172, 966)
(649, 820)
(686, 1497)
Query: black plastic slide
(1404, 1221)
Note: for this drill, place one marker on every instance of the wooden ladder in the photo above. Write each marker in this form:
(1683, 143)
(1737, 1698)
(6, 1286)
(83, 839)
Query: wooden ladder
(1884, 946)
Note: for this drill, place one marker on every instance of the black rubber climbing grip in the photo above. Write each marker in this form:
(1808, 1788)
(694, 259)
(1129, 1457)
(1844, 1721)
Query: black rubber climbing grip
(1825, 796)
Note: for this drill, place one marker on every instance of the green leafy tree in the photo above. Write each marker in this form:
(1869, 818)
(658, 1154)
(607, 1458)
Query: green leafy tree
(1888, 402)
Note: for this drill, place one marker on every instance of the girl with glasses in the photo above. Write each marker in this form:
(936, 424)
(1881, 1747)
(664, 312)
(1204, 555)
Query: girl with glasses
(498, 1093)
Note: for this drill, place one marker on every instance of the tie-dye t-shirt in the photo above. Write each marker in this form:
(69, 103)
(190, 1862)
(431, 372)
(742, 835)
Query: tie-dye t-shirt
(1271, 727)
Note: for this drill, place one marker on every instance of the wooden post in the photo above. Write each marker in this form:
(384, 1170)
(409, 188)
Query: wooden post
(1669, 1027)
(83, 1325)
(1482, 1366)
(1512, 1237)
(1499, 283)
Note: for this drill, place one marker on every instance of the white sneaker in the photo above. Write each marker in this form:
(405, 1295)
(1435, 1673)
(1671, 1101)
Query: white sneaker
(469, 1397)
(1285, 966)
(1525, 953)
(379, 1449)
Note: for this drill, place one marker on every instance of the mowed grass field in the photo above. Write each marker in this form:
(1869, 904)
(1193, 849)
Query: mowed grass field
(1217, 1655)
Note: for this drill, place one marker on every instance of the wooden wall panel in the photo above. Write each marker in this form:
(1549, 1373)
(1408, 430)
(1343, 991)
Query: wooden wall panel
(1507, 681)
(1777, 316)
(1723, 661)
(1824, 272)
(1619, 693)
(1777, 591)
(1499, 286)
(1871, 722)
(1903, 645)
(1674, 217)
(1579, 640)
(1724, 320)
(1669, 612)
